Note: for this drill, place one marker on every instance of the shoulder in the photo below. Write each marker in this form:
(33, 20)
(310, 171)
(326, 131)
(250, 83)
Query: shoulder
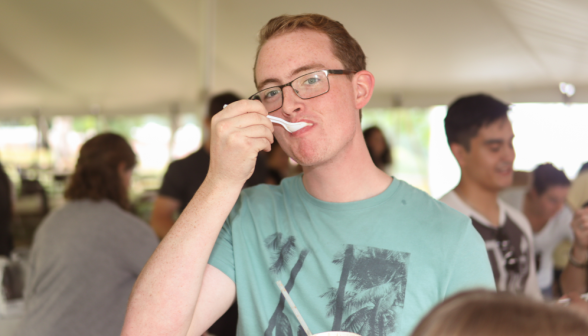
(264, 193)
(189, 161)
(452, 200)
(563, 218)
(427, 210)
(265, 196)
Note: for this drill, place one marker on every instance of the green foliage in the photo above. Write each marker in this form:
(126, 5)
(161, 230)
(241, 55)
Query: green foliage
(407, 131)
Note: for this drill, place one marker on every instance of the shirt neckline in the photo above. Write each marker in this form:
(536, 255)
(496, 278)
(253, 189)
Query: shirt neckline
(345, 206)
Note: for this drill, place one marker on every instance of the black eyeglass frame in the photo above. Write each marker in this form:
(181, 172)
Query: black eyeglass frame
(281, 87)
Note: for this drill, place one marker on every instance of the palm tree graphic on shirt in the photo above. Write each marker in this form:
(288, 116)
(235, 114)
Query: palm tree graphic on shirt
(284, 250)
(371, 290)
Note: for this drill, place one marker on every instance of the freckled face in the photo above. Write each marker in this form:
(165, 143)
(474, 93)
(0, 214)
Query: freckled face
(490, 158)
(334, 115)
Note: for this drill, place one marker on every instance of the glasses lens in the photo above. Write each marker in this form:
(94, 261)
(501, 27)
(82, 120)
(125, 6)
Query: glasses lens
(271, 98)
(311, 85)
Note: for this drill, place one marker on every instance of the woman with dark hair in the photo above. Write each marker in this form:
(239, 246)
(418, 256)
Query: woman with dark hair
(87, 255)
(378, 147)
(5, 214)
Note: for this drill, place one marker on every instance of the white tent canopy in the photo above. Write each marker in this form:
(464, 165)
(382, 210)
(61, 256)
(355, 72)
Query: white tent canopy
(142, 56)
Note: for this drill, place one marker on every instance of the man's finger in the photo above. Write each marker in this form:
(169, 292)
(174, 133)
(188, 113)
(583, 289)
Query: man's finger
(241, 107)
(250, 119)
(258, 131)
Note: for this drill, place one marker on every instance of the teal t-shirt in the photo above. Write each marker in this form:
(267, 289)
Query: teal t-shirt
(373, 267)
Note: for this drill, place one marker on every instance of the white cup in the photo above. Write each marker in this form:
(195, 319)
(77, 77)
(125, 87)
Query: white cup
(336, 333)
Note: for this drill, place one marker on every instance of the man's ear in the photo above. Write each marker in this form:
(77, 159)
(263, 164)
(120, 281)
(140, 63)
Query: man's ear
(364, 82)
(459, 152)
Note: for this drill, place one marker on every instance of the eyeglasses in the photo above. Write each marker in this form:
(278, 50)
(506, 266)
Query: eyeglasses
(306, 86)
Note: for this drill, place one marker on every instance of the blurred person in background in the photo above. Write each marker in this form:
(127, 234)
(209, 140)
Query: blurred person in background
(480, 137)
(583, 168)
(544, 206)
(184, 176)
(87, 255)
(278, 165)
(484, 313)
(574, 278)
(6, 212)
(378, 147)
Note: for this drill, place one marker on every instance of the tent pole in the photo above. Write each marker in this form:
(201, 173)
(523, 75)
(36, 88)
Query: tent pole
(207, 55)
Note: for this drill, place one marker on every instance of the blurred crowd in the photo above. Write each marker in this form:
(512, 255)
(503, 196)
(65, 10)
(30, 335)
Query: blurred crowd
(87, 254)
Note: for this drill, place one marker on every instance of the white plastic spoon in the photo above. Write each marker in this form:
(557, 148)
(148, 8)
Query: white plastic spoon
(288, 126)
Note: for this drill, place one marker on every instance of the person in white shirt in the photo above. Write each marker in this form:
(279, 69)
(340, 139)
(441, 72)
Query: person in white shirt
(543, 203)
(480, 136)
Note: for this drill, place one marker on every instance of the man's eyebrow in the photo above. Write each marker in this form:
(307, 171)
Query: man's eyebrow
(496, 141)
(307, 67)
(493, 142)
(293, 73)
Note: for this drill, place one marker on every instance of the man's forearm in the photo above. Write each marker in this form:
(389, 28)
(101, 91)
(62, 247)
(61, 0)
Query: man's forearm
(166, 292)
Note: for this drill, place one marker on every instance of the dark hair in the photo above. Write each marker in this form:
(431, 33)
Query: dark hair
(468, 114)
(343, 45)
(584, 167)
(218, 102)
(485, 313)
(385, 158)
(96, 174)
(546, 176)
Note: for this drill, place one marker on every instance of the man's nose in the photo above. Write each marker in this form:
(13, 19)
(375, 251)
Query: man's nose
(509, 154)
(291, 101)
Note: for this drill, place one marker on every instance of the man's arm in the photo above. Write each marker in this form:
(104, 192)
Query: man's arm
(574, 278)
(166, 298)
(216, 297)
(162, 216)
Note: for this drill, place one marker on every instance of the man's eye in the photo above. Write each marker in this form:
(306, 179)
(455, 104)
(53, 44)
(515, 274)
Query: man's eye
(311, 81)
(271, 93)
(495, 149)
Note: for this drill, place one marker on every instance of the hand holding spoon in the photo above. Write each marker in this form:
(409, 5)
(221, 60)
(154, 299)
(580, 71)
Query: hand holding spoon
(288, 126)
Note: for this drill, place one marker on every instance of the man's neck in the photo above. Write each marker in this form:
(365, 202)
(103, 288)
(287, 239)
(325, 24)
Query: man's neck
(351, 176)
(482, 200)
(537, 221)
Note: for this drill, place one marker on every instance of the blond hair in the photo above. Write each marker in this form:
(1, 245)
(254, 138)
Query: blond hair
(485, 313)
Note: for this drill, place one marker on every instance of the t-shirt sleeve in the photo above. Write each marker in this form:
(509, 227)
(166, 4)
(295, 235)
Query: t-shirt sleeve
(222, 256)
(469, 267)
(172, 182)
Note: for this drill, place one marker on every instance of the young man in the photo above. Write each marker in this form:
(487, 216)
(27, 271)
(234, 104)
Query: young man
(480, 136)
(355, 249)
(544, 206)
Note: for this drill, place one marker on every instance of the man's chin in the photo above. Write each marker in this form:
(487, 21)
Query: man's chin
(504, 182)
